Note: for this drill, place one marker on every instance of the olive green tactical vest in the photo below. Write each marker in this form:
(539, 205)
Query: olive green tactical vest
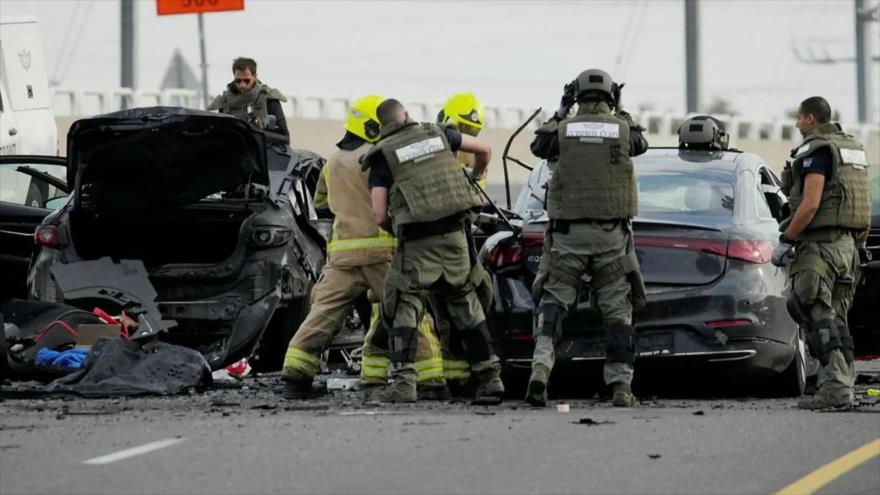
(428, 183)
(594, 177)
(846, 201)
(251, 106)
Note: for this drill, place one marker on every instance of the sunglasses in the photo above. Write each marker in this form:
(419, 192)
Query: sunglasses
(245, 81)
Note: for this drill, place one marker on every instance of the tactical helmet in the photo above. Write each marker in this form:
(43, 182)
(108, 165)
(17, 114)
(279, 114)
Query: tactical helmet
(361, 119)
(465, 112)
(595, 80)
(703, 132)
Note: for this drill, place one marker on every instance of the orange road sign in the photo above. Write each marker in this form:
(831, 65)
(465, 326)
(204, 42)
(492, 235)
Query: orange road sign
(169, 7)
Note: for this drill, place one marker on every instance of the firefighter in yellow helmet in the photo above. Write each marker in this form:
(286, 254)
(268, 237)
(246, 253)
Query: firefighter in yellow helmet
(358, 256)
(465, 113)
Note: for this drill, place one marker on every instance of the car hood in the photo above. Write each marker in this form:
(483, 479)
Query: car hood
(162, 156)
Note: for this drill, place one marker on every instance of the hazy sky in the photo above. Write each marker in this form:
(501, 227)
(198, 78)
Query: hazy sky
(508, 52)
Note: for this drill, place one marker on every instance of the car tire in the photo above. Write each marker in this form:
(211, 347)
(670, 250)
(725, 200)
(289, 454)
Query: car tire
(793, 380)
(269, 355)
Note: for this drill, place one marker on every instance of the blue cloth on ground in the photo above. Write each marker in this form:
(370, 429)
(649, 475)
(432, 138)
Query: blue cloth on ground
(70, 358)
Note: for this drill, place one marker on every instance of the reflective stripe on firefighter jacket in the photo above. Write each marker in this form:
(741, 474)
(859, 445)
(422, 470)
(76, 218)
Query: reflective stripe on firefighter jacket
(355, 239)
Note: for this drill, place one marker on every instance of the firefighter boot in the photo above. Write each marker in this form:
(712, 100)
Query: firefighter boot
(490, 388)
(402, 387)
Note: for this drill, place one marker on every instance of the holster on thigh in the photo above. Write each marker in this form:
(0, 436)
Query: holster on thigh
(822, 337)
(549, 321)
(619, 343)
(402, 344)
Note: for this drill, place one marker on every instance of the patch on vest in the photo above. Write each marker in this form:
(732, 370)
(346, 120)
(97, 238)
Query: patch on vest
(592, 130)
(803, 149)
(857, 158)
(420, 149)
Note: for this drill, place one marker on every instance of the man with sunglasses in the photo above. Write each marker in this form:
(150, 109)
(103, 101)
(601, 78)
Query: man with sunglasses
(247, 98)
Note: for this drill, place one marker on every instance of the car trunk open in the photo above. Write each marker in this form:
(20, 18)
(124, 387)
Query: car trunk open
(163, 185)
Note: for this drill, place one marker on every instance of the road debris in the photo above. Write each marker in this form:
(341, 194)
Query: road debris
(592, 422)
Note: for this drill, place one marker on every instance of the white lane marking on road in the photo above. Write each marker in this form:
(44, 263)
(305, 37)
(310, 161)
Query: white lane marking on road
(134, 451)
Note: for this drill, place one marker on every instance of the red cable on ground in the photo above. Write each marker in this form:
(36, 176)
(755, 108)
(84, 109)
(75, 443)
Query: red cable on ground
(50, 325)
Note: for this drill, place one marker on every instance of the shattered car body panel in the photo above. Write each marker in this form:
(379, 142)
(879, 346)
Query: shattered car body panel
(213, 210)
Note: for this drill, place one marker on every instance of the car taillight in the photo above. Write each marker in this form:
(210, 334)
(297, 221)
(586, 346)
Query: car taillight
(507, 255)
(500, 250)
(269, 236)
(47, 236)
(751, 251)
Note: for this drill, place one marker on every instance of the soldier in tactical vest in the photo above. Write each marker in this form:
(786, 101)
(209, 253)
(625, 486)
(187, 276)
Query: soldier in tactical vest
(821, 243)
(414, 173)
(591, 198)
(247, 98)
(358, 255)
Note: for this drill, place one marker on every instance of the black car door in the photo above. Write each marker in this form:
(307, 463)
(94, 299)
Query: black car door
(30, 188)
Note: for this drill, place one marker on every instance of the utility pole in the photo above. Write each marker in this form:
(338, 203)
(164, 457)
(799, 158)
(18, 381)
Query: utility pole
(128, 48)
(204, 59)
(863, 16)
(692, 54)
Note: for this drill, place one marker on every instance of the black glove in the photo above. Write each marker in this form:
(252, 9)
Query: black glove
(864, 255)
(782, 252)
(569, 93)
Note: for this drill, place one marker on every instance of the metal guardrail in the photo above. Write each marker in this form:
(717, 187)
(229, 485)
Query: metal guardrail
(73, 102)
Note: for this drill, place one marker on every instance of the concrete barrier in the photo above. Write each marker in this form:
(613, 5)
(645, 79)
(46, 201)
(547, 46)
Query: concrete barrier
(321, 135)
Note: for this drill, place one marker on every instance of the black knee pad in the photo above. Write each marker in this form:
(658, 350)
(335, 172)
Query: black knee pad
(549, 322)
(477, 343)
(402, 344)
(619, 343)
(822, 337)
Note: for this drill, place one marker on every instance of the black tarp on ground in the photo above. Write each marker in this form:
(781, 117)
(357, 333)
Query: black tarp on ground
(31, 318)
(119, 368)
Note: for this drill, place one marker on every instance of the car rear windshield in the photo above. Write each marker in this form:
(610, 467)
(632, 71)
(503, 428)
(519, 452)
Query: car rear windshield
(684, 193)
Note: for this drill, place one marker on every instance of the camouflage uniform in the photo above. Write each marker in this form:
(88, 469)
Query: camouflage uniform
(825, 269)
(429, 201)
(590, 199)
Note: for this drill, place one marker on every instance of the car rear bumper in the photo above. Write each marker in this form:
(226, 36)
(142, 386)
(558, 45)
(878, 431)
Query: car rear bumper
(746, 360)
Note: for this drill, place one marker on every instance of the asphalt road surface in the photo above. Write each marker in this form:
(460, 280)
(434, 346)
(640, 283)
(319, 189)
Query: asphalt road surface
(246, 440)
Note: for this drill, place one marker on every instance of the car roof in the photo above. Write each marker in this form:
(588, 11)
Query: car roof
(721, 161)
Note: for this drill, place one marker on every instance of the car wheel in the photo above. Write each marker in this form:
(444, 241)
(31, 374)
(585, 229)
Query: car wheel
(793, 380)
(269, 355)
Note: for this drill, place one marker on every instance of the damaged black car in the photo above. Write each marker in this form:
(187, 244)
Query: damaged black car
(199, 226)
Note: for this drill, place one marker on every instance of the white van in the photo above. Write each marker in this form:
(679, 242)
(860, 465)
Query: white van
(27, 126)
